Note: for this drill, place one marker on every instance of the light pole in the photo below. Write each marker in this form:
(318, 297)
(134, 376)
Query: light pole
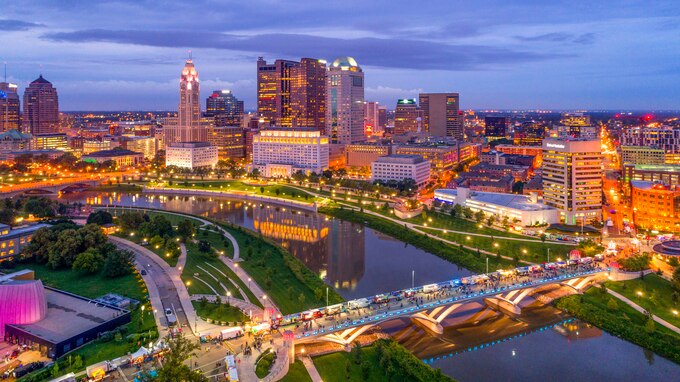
(228, 298)
(326, 298)
(548, 254)
(413, 279)
(487, 265)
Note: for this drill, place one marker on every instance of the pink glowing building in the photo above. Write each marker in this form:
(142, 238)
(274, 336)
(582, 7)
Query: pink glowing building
(22, 300)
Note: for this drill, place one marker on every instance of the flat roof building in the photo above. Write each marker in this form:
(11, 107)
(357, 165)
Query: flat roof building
(13, 240)
(363, 154)
(401, 167)
(524, 209)
(282, 152)
(122, 157)
(656, 205)
(191, 155)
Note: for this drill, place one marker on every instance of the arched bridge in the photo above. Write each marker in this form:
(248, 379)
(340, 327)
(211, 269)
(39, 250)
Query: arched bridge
(429, 305)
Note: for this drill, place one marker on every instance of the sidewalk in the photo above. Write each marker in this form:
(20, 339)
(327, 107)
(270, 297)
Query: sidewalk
(182, 260)
(257, 291)
(643, 311)
(311, 369)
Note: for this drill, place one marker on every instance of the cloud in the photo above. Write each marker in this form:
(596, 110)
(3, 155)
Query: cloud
(583, 39)
(370, 51)
(7, 25)
(386, 92)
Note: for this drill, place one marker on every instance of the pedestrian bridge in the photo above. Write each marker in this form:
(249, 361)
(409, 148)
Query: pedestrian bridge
(429, 305)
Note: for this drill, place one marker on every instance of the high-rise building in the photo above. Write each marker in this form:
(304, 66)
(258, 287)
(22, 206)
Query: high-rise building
(576, 125)
(572, 178)
(229, 140)
(666, 138)
(191, 155)
(382, 118)
(291, 93)
(308, 94)
(41, 108)
(407, 117)
(188, 127)
(642, 155)
(496, 126)
(345, 102)
(282, 152)
(530, 133)
(372, 118)
(10, 112)
(441, 114)
(656, 205)
(224, 107)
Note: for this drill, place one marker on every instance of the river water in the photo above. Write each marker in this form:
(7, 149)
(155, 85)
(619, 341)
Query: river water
(478, 344)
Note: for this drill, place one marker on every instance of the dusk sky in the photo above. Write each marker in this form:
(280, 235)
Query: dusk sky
(127, 55)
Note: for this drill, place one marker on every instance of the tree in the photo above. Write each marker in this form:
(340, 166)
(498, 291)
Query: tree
(278, 191)
(204, 246)
(131, 220)
(301, 299)
(467, 212)
(612, 305)
(261, 190)
(675, 279)
(650, 325)
(490, 220)
(77, 362)
(118, 263)
(89, 261)
(356, 353)
(55, 370)
(100, 217)
(457, 210)
(185, 229)
(173, 367)
(479, 216)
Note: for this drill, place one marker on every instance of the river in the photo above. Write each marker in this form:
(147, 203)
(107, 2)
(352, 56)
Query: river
(478, 344)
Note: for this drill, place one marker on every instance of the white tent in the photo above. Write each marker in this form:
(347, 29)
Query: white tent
(140, 353)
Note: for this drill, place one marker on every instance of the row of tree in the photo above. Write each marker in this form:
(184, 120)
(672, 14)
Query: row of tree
(39, 207)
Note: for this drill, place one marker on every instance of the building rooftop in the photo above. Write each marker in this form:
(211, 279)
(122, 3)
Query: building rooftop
(400, 158)
(513, 201)
(69, 315)
(14, 134)
(23, 230)
(111, 153)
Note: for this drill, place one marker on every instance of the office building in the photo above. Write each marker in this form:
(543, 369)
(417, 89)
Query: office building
(496, 127)
(642, 155)
(407, 117)
(529, 134)
(486, 184)
(292, 94)
(191, 155)
(526, 210)
(53, 141)
(41, 108)
(224, 107)
(666, 138)
(345, 102)
(441, 115)
(123, 158)
(363, 154)
(187, 127)
(282, 152)
(229, 140)
(10, 112)
(572, 178)
(656, 205)
(496, 171)
(147, 146)
(668, 173)
(535, 151)
(308, 94)
(576, 125)
(442, 158)
(372, 123)
(401, 167)
(94, 145)
(248, 135)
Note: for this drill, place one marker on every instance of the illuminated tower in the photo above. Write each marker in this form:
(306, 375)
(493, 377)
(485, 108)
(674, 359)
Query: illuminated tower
(345, 102)
(10, 115)
(188, 127)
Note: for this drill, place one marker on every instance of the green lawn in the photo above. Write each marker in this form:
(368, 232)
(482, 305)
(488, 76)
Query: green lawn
(219, 312)
(264, 364)
(191, 271)
(656, 296)
(337, 367)
(622, 321)
(284, 192)
(296, 373)
(217, 241)
(267, 264)
(87, 285)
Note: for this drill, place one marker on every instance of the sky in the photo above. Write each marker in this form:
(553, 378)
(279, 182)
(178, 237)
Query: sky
(532, 54)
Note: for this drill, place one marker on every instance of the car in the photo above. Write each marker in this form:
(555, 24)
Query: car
(143, 272)
(170, 316)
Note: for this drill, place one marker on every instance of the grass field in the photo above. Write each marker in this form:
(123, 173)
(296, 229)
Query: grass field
(192, 272)
(337, 367)
(656, 296)
(296, 373)
(265, 263)
(219, 312)
(284, 192)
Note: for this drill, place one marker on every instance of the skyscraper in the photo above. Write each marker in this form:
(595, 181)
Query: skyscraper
(572, 178)
(345, 102)
(308, 94)
(10, 114)
(291, 93)
(188, 127)
(371, 118)
(41, 108)
(408, 116)
(224, 107)
(441, 116)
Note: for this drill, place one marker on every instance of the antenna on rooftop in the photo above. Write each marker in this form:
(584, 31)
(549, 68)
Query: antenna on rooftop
(191, 56)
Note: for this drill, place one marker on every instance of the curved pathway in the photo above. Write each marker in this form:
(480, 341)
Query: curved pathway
(643, 310)
(182, 259)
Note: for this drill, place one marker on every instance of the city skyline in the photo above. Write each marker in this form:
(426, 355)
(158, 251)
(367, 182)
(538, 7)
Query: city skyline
(496, 55)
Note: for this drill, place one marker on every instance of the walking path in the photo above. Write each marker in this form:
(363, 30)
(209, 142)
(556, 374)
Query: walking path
(643, 311)
(182, 260)
(245, 306)
(243, 293)
(311, 369)
(259, 292)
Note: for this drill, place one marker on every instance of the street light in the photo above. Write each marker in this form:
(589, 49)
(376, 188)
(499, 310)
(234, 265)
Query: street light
(228, 297)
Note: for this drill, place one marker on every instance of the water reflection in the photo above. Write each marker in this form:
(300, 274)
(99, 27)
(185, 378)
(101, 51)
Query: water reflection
(354, 260)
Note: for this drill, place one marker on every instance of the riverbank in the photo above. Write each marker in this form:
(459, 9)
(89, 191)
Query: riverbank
(385, 360)
(617, 318)
(463, 257)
